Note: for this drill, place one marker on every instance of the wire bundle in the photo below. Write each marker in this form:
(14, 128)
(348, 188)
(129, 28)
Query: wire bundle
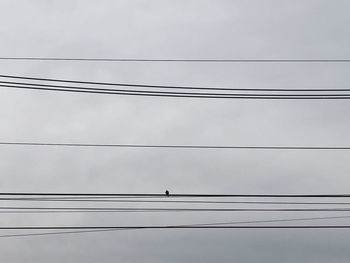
(76, 86)
(212, 203)
(184, 203)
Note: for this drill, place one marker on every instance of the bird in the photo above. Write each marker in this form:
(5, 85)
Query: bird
(167, 193)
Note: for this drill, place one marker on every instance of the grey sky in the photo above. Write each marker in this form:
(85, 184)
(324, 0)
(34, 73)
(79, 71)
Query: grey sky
(175, 29)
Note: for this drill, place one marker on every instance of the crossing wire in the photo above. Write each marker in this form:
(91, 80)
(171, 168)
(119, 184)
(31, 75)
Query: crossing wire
(174, 146)
(195, 60)
(202, 224)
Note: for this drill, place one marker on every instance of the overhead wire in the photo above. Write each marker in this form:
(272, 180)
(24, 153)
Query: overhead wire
(19, 209)
(61, 88)
(195, 60)
(103, 200)
(176, 227)
(201, 224)
(172, 195)
(159, 94)
(145, 85)
(208, 226)
(175, 146)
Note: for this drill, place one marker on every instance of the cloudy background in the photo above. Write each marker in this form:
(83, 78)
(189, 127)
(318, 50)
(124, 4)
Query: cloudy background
(175, 29)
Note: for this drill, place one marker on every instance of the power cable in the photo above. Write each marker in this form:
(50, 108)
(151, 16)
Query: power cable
(18, 209)
(190, 195)
(219, 223)
(168, 93)
(237, 147)
(148, 86)
(175, 227)
(102, 200)
(159, 94)
(64, 88)
(203, 60)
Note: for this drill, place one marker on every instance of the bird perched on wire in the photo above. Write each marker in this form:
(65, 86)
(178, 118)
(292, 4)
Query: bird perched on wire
(167, 193)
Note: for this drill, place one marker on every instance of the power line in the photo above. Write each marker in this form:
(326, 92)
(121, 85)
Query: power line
(18, 209)
(274, 220)
(176, 146)
(205, 60)
(177, 94)
(173, 94)
(219, 223)
(176, 227)
(162, 94)
(145, 85)
(190, 195)
(59, 233)
(170, 201)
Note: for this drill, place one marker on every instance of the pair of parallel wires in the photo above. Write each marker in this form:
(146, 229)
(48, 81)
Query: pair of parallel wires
(91, 87)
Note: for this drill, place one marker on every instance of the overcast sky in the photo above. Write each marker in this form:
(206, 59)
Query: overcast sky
(249, 29)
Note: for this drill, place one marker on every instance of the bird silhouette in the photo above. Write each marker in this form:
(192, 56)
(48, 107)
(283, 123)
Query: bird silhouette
(167, 193)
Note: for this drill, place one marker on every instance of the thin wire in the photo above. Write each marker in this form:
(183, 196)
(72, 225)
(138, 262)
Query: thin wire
(175, 227)
(164, 93)
(149, 195)
(209, 224)
(170, 201)
(59, 233)
(177, 146)
(205, 60)
(149, 86)
(159, 94)
(18, 209)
